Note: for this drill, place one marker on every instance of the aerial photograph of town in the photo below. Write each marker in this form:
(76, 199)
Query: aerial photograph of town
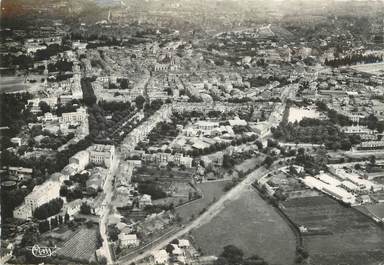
(192, 132)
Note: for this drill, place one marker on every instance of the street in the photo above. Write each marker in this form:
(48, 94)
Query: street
(108, 190)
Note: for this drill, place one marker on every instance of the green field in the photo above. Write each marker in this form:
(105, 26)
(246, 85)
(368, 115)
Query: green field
(338, 234)
(251, 224)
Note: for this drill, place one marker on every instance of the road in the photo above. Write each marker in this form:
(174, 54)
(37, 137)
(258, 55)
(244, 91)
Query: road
(207, 216)
(108, 190)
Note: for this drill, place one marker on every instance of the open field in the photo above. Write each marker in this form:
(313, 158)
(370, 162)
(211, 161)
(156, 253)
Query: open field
(336, 233)
(17, 84)
(81, 246)
(250, 164)
(297, 114)
(372, 68)
(211, 191)
(251, 224)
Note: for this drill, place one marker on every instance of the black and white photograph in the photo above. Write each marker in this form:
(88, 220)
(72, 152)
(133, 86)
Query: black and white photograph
(192, 132)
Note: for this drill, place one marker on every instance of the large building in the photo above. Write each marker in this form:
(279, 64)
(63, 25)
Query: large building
(101, 154)
(40, 195)
(79, 115)
(81, 159)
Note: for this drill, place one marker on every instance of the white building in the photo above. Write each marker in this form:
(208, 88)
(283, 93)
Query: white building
(101, 154)
(81, 159)
(40, 195)
(128, 240)
(160, 256)
(79, 115)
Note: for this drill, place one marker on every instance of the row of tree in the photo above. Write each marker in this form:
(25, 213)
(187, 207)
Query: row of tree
(315, 131)
(46, 225)
(354, 59)
(48, 209)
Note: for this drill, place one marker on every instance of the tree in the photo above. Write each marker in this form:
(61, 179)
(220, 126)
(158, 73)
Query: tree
(85, 208)
(175, 241)
(268, 161)
(259, 145)
(139, 101)
(372, 160)
(66, 218)
(113, 233)
(232, 254)
(169, 248)
(48, 209)
(43, 226)
(44, 107)
(228, 162)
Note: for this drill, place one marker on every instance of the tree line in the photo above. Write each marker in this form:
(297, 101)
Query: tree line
(354, 59)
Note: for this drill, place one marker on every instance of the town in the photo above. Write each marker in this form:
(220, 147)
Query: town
(192, 132)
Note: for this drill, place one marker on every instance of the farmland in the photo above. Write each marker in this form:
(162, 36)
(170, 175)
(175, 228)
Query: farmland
(251, 224)
(82, 245)
(336, 233)
(211, 191)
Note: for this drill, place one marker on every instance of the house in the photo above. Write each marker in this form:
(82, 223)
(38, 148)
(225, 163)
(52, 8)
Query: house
(160, 257)
(16, 140)
(176, 250)
(96, 180)
(145, 200)
(72, 208)
(184, 243)
(97, 205)
(237, 122)
(128, 240)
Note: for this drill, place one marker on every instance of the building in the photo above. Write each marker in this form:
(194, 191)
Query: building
(20, 172)
(206, 125)
(16, 140)
(40, 195)
(101, 154)
(43, 193)
(145, 200)
(22, 212)
(160, 256)
(72, 208)
(79, 115)
(128, 240)
(81, 159)
(371, 145)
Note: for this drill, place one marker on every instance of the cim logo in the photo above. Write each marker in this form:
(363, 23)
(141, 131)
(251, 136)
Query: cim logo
(42, 252)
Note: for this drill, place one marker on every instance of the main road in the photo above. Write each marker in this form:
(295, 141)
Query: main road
(207, 216)
(108, 191)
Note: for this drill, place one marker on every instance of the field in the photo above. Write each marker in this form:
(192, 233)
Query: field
(211, 191)
(372, 68)
(81, 246)
(17, 84)
(251, 224)
(336, 234)
(297, 114)
(250, 164)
